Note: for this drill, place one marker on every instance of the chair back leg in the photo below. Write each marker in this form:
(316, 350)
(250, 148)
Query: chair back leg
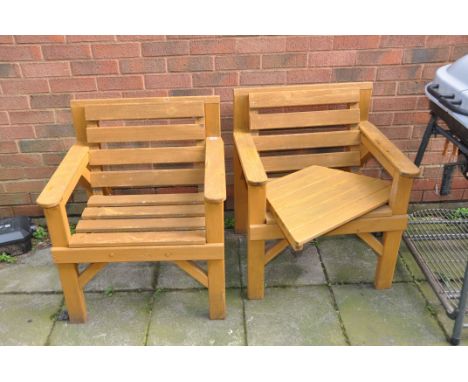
(387, 262)
(73, 292)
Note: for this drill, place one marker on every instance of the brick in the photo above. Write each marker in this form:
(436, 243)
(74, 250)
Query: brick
(381, 119)
(410, 118)
(443, 41)
(379, 57)
(284, 60)
(140, 38)
(431, 196)
(6, 39)
(20, 160)
(63, 116)
(66, 52)
(411, 87)
(55, 131)
(354, 74)
(191, 92)
(215, 79)
(402, 41)
(72, 85)
(98, 95)
(394, 103)
(429, 71)
(8, 147)
(308, 43)
(120, 83)
(31, 146)
(409, 72)
(16, 132)
(458, 52)
(116, 50)
(25, 186)
(225, 94)
(241, 62)
(260, 44)
(422, 55)
(46, 69)
(190, 64)
(301, 76)
(12, 173)
(356, 42)
(262, 77)
(422, 103)
(165, 48)
(28, 210)
(216, 46)
(4, 118)
(9, 71)
(14, 199)
(89, 38)
(142, 65)
(167, 81)
(340, 58)
(31, 117)
(52, 159)
(80, 68)
(49, 101)
(19, 53)
(397, 132)
(29, 86)
(145, 93)
(384, 88)
(14, 103)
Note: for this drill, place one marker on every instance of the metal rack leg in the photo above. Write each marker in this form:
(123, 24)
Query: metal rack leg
(457, 328)
(425, 140)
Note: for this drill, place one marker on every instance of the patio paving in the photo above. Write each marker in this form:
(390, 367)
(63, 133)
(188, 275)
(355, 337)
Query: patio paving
(320, 296)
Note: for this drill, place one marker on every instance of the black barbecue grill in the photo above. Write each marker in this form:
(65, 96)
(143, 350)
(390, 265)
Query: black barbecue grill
(448, 100)
(438, 238)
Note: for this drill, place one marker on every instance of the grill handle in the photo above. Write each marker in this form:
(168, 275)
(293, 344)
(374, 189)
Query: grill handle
(444, 100)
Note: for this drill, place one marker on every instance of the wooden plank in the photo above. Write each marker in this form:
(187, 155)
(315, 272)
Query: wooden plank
(215, 175)
(191, 210)
(306, 140)
(304, 119)
(212, 119)
(172, 177)
(105, 112)
(303, 97)
(274, 251)
(187, 154)
(180, 132)
(279, 163)
(140, 225)
(383, 149)
(137, 238)
(251, 163)
(194, 271)
(87, 275)
(63, 181)
(66, 255)
(144, 199)
(372, 242)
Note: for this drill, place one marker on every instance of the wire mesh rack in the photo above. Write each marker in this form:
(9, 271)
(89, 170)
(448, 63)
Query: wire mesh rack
(438, 239)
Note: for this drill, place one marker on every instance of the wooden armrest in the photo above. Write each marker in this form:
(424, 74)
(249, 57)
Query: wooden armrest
(380, 146)
(63, 181)
(215, 174)
(251, 163)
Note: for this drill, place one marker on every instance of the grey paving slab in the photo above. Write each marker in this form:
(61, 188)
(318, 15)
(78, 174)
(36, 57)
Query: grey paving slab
(289, 268)
(410, 262)
(120, 319)
(348, 259)
(396, 316)
(172, 277)
(293, 316)
(181, 318)
(27, 319)
(125, 276)
(439, 310)
(33, 272)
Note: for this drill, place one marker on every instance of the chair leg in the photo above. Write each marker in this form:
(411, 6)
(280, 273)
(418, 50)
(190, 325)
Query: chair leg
(255, 269)
(216, 289)
(73, 293)
(240, 197)
(386, 263)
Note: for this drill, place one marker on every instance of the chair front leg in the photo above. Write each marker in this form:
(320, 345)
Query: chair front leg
(386, 263)
(240, 196)
(59, 231)
(256, 248)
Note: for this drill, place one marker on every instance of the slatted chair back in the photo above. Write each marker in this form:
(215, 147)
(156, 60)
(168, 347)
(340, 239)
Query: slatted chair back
(297, 127)
(148, 142)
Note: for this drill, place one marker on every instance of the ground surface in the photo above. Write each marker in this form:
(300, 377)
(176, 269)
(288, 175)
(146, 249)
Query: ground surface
(322, 296)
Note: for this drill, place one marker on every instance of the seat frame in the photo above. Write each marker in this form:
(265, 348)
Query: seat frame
(253, 217)
(75, 169)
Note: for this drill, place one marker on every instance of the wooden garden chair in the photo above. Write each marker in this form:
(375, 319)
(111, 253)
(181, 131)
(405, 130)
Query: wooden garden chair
(140, 146)
(296, 151)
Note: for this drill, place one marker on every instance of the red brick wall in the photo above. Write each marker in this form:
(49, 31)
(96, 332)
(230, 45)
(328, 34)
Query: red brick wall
(39, 75)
